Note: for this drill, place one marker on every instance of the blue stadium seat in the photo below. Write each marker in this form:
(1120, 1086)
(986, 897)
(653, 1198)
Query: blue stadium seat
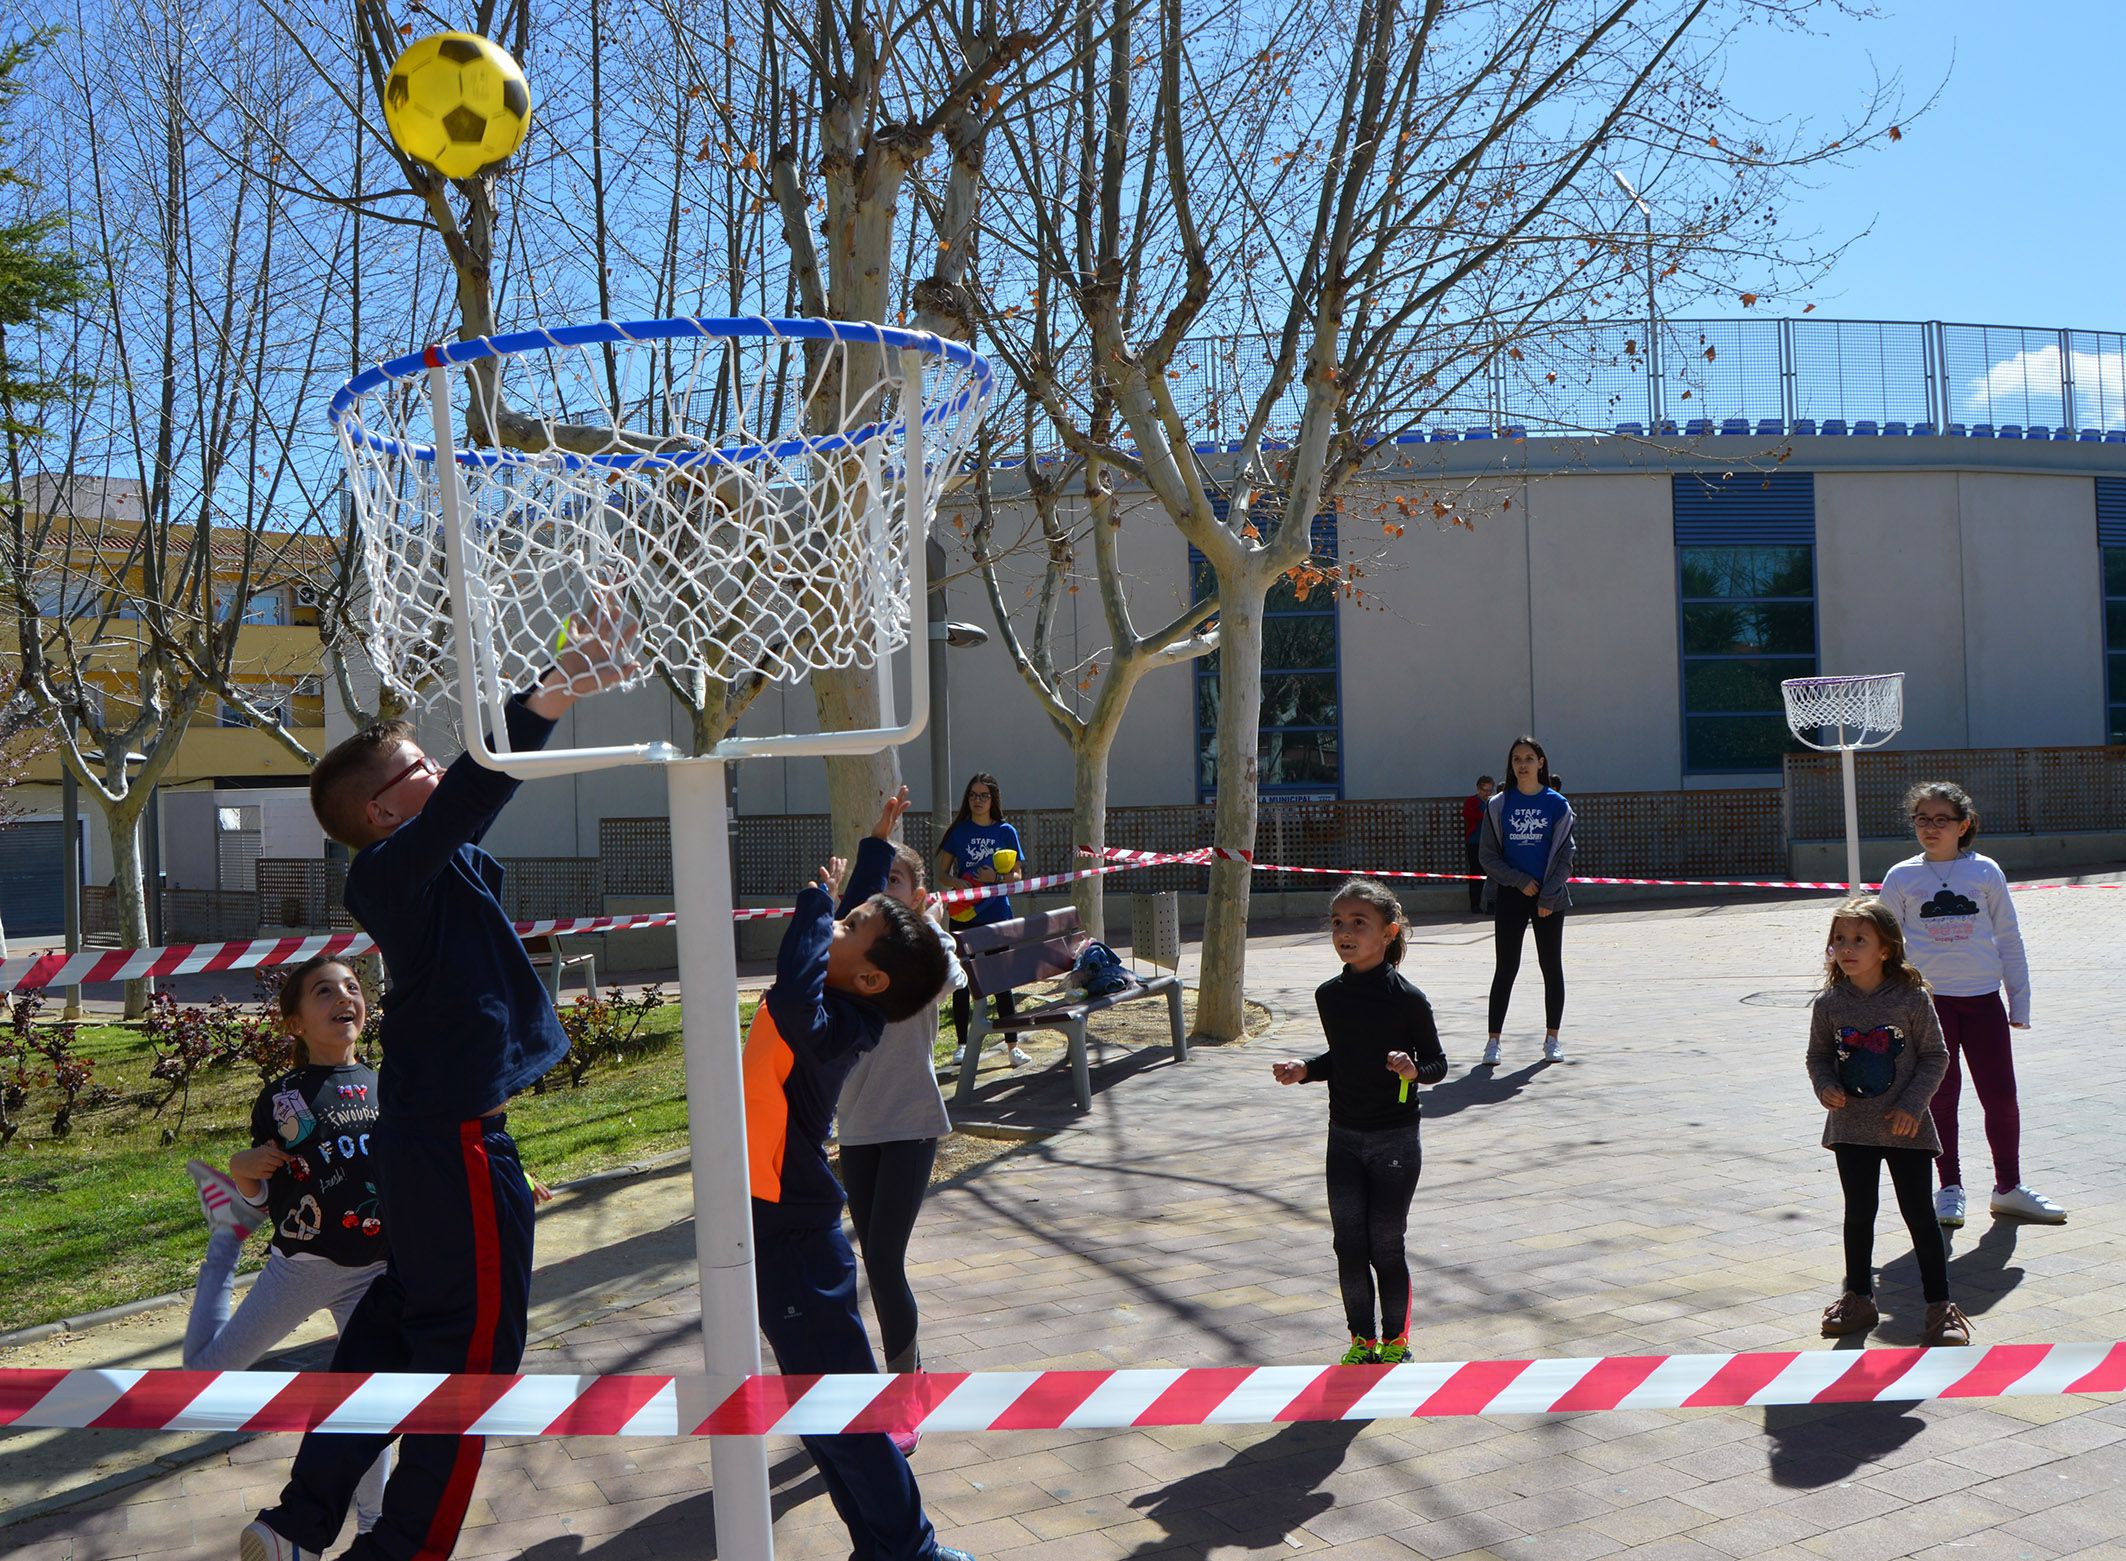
(1894, 429)
(1477, 433)
(1666, 429)
(2092, 436)
(1956, 431)
(1770, 428)
(1924, 430)
(1980, 431)
(1866, 429)
(1445, 436)
(1734, 425)
(1804, 427)
(1634, 430)
(2063, 436)
(1833, 427)
(2010, 431)
(1515, 431)
(2115, 436)
(1414, 436)
(1698, 427)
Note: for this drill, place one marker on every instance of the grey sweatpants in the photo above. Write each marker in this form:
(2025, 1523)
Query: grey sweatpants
(285, 1293)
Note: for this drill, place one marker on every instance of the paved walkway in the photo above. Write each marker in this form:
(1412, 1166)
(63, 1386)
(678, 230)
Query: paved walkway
(1660, 1192)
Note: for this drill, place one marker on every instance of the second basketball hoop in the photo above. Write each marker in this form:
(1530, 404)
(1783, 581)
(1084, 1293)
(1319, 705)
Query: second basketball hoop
(1843, 715)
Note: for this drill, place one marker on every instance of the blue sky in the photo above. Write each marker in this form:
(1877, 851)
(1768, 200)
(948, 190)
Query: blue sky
(2003, 204)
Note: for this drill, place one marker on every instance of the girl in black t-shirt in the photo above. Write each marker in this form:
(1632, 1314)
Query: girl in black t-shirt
(306, 1175)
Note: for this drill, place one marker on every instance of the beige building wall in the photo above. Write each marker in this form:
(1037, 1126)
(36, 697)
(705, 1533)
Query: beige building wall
(1890, 591)
(2033, 613)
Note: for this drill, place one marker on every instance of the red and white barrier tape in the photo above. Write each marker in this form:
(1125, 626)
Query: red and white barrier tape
(560, 1405)
(29, 972)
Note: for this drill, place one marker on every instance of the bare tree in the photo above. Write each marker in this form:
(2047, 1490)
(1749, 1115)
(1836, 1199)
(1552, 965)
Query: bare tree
(1348, 216)
(141, 526)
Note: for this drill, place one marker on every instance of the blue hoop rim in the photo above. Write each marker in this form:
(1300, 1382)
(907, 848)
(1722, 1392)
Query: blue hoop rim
(411, 365)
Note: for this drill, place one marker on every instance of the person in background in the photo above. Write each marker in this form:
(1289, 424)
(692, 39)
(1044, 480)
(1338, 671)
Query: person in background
(1472, 826)
(977, 833)
(1526, 848)
(1959, 920)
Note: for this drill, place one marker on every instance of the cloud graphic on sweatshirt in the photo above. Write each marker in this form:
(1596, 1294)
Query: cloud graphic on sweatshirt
(1948, 903)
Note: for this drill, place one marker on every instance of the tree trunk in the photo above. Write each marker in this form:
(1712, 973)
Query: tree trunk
(122, 821)
(1088, 822)
(1220, 1014)
(847, 700)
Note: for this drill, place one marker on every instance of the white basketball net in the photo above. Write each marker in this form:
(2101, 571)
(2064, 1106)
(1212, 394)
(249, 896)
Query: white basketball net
(736, 487)
(1845, 712)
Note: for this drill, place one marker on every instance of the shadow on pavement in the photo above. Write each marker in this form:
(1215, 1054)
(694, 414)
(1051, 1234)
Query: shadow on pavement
(1255, 1499)
(1480, 1086)
(1040, 1096)
(1815, 1445)
(686, 1528)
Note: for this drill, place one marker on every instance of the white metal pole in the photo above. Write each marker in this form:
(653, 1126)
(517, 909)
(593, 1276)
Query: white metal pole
(1852, 821)
(716, 1128)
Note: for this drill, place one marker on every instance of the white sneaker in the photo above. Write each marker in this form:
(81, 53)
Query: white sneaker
(959, 1055)
(1553, 1049)
(1949, 1208)
(224, 1205)
(2023, 1204)
(260, 1543)
(1491, 1052)
(1018, 1056)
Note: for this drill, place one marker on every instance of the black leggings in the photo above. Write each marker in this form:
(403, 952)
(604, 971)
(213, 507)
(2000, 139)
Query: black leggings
(1515, 911)
(962, 1010)
(1911, 1173)
(1372, 1178)
(886, 1183)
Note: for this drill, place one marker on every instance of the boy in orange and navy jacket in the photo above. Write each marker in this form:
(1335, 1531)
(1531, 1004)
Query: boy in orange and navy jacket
(840, 976)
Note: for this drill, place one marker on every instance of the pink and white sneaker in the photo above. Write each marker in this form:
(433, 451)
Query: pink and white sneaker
(225, 1207)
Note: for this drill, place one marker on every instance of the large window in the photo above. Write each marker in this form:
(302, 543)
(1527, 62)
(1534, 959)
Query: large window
(1299, 752)
(2111, 545)
(1746, 575)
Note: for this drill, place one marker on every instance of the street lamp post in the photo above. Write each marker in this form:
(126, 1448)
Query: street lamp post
(1653, 322)
(959, 636)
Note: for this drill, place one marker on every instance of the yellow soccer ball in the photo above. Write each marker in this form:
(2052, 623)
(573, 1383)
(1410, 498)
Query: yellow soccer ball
(1006, 862)
(458, 103)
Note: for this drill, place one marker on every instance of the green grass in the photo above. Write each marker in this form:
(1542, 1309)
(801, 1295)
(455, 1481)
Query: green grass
(108, 1215)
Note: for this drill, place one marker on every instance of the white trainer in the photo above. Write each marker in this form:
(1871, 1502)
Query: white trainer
(1553, 1049)
(1491, 1052)
(225, 1207)
(1949, 1208)
(1018, 1055)
(260, 1543)
(2022, 1204)
(959, 1055)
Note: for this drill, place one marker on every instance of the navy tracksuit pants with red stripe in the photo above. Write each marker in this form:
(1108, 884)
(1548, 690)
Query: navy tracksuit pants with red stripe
(459, 1218)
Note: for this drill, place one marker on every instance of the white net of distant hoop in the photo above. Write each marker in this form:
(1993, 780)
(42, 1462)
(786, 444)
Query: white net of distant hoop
(737, 487)
(1845, 712)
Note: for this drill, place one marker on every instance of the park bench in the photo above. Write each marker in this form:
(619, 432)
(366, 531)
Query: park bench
(1006, 955)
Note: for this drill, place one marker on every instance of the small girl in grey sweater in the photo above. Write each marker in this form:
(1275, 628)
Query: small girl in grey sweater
(1876, 1056)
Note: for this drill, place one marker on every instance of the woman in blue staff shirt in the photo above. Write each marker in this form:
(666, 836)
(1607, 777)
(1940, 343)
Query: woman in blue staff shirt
(1525, 845)
(964, 861)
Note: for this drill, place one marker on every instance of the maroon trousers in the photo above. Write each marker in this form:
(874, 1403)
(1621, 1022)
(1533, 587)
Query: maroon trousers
(1976, 1029)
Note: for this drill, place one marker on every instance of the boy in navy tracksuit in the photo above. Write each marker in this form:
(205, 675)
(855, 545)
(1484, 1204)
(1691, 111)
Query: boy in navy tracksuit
(839, 978)
(467, 1024)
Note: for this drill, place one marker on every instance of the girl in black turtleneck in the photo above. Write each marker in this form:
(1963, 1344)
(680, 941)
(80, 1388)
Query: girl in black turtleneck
(1381, 1040)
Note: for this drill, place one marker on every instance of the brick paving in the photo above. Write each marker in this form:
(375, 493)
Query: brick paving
(1662, 1191)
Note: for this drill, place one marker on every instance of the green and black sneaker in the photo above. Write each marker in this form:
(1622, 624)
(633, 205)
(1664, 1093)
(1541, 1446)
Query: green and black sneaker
(1393, 1352)
(1361, 1353)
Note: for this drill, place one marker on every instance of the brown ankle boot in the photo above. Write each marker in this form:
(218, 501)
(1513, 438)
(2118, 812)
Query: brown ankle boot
(1850, 1313)
(1946, 1324)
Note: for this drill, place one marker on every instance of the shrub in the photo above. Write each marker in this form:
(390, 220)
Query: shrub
(604, 1029)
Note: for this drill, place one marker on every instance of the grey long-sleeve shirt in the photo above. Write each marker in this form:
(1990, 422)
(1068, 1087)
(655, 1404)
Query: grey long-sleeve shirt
(1885, 1050)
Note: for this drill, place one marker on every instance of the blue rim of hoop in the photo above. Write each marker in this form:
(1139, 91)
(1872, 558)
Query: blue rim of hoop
(597, 332)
